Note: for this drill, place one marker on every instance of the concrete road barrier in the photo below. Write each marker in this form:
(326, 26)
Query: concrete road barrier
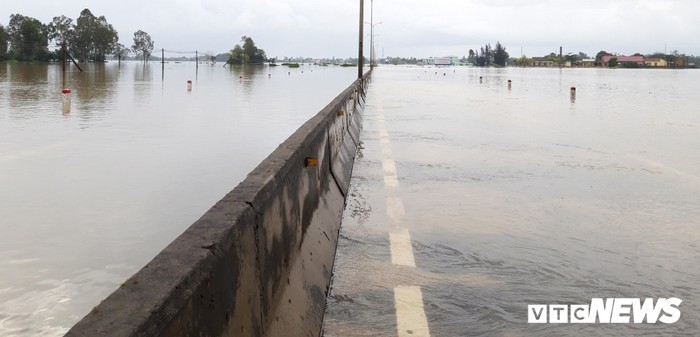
(259, 262)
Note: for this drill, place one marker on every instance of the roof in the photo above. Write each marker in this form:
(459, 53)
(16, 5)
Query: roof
(621, 59)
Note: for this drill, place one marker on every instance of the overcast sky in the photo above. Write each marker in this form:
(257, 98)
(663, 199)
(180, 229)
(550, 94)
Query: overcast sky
(329, 28)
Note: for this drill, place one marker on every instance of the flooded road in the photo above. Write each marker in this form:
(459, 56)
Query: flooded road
(89, 197)
(471, 201)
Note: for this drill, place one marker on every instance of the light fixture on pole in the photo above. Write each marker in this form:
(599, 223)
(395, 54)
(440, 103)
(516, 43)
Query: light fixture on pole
(372, 35)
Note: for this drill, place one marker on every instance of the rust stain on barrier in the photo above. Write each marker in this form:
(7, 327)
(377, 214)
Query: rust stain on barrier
(310, 161)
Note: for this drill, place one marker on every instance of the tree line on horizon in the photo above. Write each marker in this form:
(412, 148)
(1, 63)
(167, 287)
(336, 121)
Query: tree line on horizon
(90, 38)
(486, 57)
(675, 59)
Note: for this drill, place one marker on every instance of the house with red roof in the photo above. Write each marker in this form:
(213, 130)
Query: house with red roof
(639, 60)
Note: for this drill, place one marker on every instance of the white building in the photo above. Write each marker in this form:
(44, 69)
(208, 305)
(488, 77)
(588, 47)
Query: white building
(444, 61)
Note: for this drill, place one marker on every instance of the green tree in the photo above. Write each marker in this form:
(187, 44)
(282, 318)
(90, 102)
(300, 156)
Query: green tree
(472, 57)
(500, 55)
(248, 53)
(4, 41)
(28, 38)
(523, 61)
(672, 58)
(121, 52)
(94, 37)
(61, 30)
(143, 45)
(106, 39)
(613, 62)
(573, 58)
(237, 56)
(82, 43)
(485, 57)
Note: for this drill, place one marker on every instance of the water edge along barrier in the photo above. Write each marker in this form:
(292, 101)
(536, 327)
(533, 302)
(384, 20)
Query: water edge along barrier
(259, 262)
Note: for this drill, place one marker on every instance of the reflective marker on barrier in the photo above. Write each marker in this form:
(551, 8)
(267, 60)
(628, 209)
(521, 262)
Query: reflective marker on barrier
(310, 161)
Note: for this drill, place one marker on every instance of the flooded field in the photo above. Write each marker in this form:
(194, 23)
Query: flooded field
(88, 197)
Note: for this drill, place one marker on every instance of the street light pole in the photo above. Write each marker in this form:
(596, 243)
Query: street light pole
(362, 23)
(371, 31)
(372, 54)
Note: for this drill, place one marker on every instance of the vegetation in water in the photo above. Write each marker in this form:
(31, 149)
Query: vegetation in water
(248, 53)
(89, 38)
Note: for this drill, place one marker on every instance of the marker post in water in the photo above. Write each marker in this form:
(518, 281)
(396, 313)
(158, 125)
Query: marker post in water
(65, 98)
(573, 94)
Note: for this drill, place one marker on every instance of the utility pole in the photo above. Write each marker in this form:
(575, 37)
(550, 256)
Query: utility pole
(65, 60)
(362, 22)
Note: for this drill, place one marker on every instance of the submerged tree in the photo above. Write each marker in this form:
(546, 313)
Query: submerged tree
(485, 57)
(94, 37)
(28, 38)
(61, 30)
(500, 55)
(237, 56)
(121, 52)
(4, 37)
(143, 45)
(472, 57)
(248, 53)
(523, 61)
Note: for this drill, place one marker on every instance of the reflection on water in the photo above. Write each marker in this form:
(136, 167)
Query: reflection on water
(88, 198)
(142, 83)
(32, 87)
(248, 76)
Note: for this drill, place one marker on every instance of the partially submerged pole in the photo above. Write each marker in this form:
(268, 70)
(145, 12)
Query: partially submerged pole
(162, 64)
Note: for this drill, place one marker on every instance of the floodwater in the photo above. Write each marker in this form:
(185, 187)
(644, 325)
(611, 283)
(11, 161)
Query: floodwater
(521, 196)
(88, 197)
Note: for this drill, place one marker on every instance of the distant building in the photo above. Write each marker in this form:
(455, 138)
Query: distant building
(639, 60)
(442, 61)
(543, 62)
(588, 63)
(655, 62)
